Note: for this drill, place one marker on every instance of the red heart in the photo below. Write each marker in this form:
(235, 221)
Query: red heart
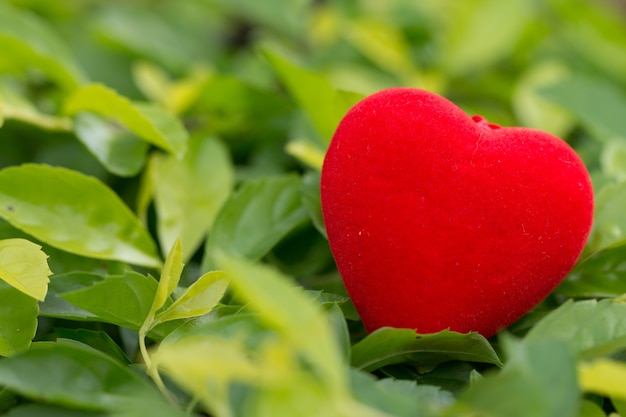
(441, 221)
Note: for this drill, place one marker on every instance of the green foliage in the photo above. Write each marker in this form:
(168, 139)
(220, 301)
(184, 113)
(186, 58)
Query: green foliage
(137, 137)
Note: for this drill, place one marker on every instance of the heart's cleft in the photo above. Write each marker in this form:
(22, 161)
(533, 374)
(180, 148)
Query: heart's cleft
(482, 122)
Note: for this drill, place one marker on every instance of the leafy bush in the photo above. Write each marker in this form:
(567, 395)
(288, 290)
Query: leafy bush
(140, 136)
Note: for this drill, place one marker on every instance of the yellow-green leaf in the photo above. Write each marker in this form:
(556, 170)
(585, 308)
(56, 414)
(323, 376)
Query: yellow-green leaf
(198, 299)
(604, 376)
(170, 275)
(24, 266)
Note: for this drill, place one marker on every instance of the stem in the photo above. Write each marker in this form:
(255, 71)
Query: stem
(151, 369)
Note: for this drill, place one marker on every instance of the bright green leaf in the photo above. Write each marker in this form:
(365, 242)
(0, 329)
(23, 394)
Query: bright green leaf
(389, 345)
(604, 376)
(18, 320)
(147, 121)
(119, 151)
(385, 45)
(124, 300)
(589, 327)
(170, 276)
(75, 213)
(255, 218)
(290, 311)
(198, 299)
(24, 266)
(539, 380)
(591, 409)
(306, 152)
(325, 105)
(188, 193)
(79, 377)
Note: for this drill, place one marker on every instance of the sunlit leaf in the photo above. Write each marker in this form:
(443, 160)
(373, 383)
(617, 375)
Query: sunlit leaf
(75, 213)
(24, 266)
(188, 193)
(291, 312)
(18, 320)
(149, 122)
(388, 345)
(604, 376)
(170, 276)
(198, 299)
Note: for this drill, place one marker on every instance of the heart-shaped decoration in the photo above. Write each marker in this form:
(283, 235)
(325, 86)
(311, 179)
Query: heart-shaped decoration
(438, 220)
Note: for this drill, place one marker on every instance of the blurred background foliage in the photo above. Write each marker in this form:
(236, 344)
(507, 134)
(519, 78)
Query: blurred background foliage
(253, 89)
(268, 81)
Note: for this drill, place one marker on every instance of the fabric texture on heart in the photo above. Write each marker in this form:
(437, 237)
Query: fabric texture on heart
(440, 221)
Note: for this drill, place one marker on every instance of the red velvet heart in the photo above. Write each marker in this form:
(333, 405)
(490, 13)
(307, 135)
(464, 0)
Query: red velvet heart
(441, 221)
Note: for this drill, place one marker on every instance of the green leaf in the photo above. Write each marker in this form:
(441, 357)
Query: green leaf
(596, 103)
(255, 218)
(401, 398)
(601, 275)
(75, 213)
(539, 380)
(292, 313)
(98, 340)
(147, 121)
(609, 225)
(56, 306)
(189, 192)
(590, 327)
(324, 104)
(15, 105)
(469, 41)
(27, 41)
(532, 108)
(123, 300)
(119, 151)
(79, 377)
(24, 266)
(198, 299)
(170, 276)
(18, 320)
(389, 345)
(311, 200)
(38, 410)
